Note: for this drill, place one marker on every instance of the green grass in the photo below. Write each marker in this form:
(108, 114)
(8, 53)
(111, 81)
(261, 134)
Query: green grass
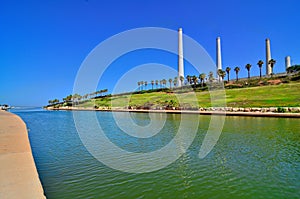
(284, 95)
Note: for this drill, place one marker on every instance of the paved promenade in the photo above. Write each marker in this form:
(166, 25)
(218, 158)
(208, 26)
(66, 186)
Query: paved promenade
(18, 174)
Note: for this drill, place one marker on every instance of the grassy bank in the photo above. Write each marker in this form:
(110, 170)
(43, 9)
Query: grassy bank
(283, 95)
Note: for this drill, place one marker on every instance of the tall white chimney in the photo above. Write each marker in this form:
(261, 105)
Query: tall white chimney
(180, 57)
(287, 62)
(219, 57)
(268, 57)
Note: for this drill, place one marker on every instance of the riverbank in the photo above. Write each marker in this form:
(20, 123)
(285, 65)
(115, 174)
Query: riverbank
(18, 174)
(234, 112)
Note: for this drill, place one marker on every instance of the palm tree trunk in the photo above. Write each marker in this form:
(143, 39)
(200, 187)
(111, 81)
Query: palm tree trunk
(260, 73)
(228, 77)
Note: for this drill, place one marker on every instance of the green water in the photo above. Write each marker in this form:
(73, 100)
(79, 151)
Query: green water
(254, 158)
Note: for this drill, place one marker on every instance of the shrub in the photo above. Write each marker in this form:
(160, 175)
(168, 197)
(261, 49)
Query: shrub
(280, 110)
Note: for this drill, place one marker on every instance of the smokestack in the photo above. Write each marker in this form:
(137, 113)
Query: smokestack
(268, 57)
(219, 58)
(180, 57)
(287, 62)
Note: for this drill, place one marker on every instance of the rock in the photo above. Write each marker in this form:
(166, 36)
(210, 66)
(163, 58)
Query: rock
(228, 108)
(235, 109)
(255, 109)
(263, 110)
(247, 109)
(294, 109)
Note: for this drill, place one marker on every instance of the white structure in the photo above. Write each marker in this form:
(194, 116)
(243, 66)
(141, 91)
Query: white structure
(287, 62)
(268, 57)
(180, 57)
(219, 57)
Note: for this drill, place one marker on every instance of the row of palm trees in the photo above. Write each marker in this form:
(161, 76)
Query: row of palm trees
(160, 83)
(54, 101)
(193, 80)
(76, 97)
(248, 67)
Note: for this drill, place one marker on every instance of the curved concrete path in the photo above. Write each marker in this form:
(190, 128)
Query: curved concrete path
(18, 174)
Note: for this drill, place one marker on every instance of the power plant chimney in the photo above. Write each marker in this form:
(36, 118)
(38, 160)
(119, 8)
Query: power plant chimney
(180, 57)
(287, 62)
(219, 57)
(268, 58)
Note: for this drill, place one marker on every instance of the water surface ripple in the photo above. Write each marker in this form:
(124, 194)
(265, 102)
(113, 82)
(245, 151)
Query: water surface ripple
(254, 158)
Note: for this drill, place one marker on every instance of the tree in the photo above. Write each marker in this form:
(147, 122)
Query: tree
(211, 76)
(164, 82)
(237, 70)
(175, 81)
(195, 79)
(142, 84)
(248, 67)
(156, 83)
(228, 72)
(146, 84)
(272, 62)
(188, 78)
(152, 83)
(105, 90)
(139, 85)
(221, 74)
(260, 63)
(181, 80)
(202, 77)
(170, 81)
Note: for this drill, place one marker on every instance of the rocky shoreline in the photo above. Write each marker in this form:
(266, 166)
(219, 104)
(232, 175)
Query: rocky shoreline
(229, 111)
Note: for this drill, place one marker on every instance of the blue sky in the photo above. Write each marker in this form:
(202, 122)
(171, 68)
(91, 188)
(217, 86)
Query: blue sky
(43, 43)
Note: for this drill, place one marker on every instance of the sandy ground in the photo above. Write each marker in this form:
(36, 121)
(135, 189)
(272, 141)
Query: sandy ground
(18, 174)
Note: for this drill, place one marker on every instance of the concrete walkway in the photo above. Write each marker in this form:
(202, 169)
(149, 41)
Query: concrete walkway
(18, 174)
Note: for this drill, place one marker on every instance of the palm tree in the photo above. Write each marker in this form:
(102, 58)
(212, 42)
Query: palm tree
(152, 83)
(202, 77)
(181, 80)
(237, 70)
(188, 78)
(160, 83)
(272, 62)
(139, 84)
(211, 76)
(146, 84)
(221, 74)
(105, 90)
(260, 63)
(170, 81)
(156, 83)
(195, 79)
(175, 81)
(142, 84)
(248, 66)
(228, 71)
(165, 82)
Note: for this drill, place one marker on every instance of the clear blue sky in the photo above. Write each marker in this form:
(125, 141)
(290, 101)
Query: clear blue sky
(43, 43)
